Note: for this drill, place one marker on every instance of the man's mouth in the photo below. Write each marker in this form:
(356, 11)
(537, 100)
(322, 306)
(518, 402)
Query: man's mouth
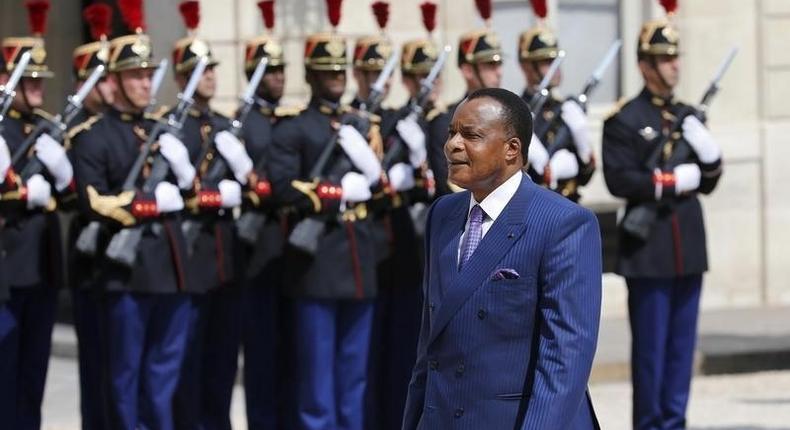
(457, 162)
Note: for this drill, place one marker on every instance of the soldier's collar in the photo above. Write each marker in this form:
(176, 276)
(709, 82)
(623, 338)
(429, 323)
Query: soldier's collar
(266, 107)
(15, 114)
(658, 101)
(126, 116)
(327, 107)
(197, 112)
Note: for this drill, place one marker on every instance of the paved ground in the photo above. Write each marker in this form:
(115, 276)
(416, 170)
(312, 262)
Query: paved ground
(753, 401)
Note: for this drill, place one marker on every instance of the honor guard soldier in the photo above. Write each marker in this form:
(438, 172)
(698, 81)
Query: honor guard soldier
(323, 169)
(659, 158)
(202, 399)
(86, 294)
(147, 314)
(480, 60)
(267, 369)
(563, 170)
(30, 234)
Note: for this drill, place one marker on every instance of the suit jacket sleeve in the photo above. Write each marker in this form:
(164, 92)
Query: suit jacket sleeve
(415, 399)
(568, 316)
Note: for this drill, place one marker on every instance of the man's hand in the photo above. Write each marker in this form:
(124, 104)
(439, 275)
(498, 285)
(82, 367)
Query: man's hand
(168, 198)
(232, 150)
(411, 133)
(537, 156)
(355, 188)
(230, 191)
(53, 157)
(576, 119)
(361, 155)
(177, 156)
(687, 178)
(38, 192)
(5, 159)
(401, 177)
(700, 139)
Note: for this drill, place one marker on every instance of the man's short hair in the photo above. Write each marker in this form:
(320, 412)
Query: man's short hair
(516, 115)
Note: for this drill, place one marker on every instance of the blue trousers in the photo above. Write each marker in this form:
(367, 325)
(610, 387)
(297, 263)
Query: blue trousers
(263, 388)
(663, 314)
(146, 340)
(25, 340)
(203, 396)
(92, 349)
(332, 345)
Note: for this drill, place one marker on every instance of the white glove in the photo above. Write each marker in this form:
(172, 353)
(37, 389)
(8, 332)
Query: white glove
(168, 198)
(5, 159)
(401, 177)
(563, 165)
(576, 119)
(361, 155)
(355, 188)
(38, 192)
(232, 150)
(687, 177)
(177, 156)
(700, 139)
(537, 156)
(230, 191)
(54, 158)
(411, 133)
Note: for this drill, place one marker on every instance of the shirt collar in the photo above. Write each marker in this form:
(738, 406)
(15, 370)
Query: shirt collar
(495, 202)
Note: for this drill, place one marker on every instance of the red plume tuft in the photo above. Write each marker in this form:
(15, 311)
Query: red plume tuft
(333, 9)
(99, 19)
(484, 7)
(190, 12)
(539, 7)
(267, 10)
(428, 15)
(669, 5)
(132, 13)
(37, 15)
(381, 10)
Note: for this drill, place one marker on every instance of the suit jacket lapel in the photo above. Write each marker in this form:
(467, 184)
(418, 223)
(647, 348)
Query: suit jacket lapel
(453, 224)
(502, 235)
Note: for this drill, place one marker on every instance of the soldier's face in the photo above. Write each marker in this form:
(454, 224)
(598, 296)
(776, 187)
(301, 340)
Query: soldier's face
(331, 84)
(135, 86)
(273, 83)
(661, 74)
(3, 78)
(535, 71)
(479, 151)
(488, 75)
(365, 79)
(102, 94)
(29, 94)
(207, 86)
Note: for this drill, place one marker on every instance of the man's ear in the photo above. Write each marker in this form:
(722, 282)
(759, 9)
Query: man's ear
(512, 150)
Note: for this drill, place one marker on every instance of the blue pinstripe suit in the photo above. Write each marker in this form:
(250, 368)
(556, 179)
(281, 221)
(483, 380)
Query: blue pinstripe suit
(509, 353)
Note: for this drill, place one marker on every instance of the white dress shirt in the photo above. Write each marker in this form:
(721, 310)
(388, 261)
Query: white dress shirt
(492, 205)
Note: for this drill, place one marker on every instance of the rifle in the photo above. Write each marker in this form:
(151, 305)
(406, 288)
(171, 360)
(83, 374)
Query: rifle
(538, 100)
(307, 232)
(219, 168)
(416, 106)
(55, 127)
(562, 132)
(639, 220)
(123, 246)
(8, 91)
(88, 239)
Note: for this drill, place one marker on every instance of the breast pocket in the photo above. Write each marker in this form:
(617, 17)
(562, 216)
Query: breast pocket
(512, 303)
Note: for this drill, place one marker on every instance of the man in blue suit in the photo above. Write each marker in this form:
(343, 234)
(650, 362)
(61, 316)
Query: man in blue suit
(512, 287)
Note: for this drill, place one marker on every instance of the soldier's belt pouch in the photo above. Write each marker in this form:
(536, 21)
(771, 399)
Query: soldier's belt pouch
(639, 220)
(306, 234)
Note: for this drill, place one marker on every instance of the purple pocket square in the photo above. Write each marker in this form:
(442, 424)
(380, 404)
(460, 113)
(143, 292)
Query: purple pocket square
(501, 274)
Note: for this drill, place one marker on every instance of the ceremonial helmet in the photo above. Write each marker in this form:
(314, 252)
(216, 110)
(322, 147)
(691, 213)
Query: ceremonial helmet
(265, 45)
(86, 58)
(419, 55)
(659, 37)
(372, 52)
(132, 51)
(188, 51)
(538, 43)
(480, 46)
(15, 47)
(327, 51)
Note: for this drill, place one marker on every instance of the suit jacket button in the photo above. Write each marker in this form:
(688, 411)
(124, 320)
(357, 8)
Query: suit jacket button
(460, 369)
(459, 412)
(431, 306)
(433, 365)
(481, 314)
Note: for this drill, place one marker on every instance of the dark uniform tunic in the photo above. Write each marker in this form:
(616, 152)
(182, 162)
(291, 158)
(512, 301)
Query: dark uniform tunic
(676, 245)
(438, 130)
(554, 127)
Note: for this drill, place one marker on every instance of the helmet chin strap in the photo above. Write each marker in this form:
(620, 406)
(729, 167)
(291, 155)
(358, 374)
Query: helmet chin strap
(654, 65)
(478, 76)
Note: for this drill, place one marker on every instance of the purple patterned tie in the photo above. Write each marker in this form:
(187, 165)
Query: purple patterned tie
(473, 235)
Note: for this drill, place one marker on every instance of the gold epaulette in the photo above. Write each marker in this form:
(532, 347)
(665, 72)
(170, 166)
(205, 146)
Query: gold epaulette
(83, 126)
(437, 110)
(287, 111)
(43, 114)
(616, 109)
(157, 113)
(113, 207)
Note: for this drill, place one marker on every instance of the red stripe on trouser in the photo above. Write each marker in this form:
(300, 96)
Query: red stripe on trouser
(176, 258)
(352, 239)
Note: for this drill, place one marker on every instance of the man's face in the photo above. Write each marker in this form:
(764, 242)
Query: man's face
(29, 94)
(478, 148)
(3, 78)
(534, 71)
(488, 75)
(103, 93)
(272, 84)
(136, 85)
(207, 85)
(413, 82)
(330, 84)
(366, 78)
(665, 73)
